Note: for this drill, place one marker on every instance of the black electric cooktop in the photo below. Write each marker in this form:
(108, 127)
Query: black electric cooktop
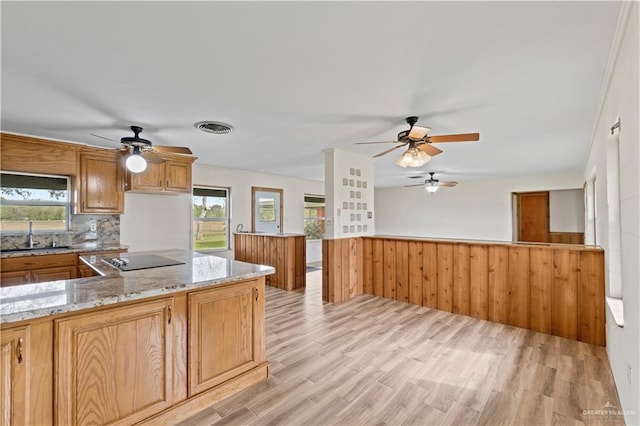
(141, 261)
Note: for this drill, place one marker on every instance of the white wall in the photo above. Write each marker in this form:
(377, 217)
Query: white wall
(156, 222)
(241, 181)
(620, 99)
(349, 192)
(471, 210)
(566, 210)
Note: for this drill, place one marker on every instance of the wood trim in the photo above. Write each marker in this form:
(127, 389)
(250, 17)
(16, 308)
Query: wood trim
(253, 205)
(566, 237)
(30, 154)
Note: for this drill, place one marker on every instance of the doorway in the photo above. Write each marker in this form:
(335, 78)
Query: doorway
(266, 215)
(532, 216)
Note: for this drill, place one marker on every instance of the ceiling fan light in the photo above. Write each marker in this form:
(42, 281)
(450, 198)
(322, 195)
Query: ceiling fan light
(413, 157)
(135, 162)
(418, 132)
(431, 188)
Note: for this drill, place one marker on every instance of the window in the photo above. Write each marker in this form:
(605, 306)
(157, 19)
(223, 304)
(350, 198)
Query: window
(42, 201)
(267, 209)
(314, 217)
(210, 218)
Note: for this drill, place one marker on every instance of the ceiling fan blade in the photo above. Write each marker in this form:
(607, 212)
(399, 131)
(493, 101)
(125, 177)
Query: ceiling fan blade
(448, 184)
(418, 184)
(462, 137)
(367, 143)
(389, 150)
(172, 149)
(152, 157)
(102, 137)
(429, 149)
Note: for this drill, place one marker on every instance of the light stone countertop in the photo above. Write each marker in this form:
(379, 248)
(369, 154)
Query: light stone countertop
(31, 301)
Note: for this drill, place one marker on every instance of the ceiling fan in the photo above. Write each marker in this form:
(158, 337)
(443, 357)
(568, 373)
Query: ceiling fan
(432, 184)
(142, 150)
(420, 148)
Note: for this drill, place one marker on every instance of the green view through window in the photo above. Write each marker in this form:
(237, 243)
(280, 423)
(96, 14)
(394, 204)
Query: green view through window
(41, 200)
(210, 218)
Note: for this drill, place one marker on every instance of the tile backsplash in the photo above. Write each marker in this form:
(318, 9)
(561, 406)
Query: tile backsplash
(107, 233)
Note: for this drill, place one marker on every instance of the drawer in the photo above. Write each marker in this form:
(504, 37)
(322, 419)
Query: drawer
(38, 261)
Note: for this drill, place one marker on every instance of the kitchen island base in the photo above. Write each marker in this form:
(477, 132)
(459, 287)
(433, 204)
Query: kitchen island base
(149, 359)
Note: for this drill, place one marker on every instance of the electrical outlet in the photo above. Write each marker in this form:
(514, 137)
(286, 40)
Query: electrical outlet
(92, 259)
(628, 372)
(339, 212)
(92, 226)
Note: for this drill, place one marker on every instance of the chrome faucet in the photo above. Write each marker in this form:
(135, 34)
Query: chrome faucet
(32, 243)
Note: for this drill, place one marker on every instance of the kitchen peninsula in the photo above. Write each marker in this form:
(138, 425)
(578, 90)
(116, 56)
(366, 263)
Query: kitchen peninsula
(148, 345)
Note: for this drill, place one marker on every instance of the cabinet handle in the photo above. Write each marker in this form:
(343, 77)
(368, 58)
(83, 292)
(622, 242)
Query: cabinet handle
(160, 182)
(256, 293)
(19, 350)
(169, 307)
(83, 205)
(167, 183)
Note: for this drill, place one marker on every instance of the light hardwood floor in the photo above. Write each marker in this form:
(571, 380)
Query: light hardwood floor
(379, 361)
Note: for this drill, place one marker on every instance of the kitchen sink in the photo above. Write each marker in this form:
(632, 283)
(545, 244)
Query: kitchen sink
(36, 249)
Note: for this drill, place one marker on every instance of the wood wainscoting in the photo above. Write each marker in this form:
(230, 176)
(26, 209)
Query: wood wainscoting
(285, 252)
(554, 289)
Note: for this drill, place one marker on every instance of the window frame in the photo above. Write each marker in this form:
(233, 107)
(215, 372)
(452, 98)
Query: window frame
(226, 219)
(66, 204)
(322, 219)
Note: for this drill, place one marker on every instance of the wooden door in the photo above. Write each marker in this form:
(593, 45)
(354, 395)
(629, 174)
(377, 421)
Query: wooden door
(101, 183)
(14, 395)
(152, 179)
(533, 216)
(115, 365)
(226, 334)
(53, 274)
(178, 176)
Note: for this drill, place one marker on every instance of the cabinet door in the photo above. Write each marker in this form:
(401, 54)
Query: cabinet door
(53, 274)
(152, 179)
(178, 176)
(226, 333)
(114, 365)
(101, 183)
(13, 380)
(15, 278)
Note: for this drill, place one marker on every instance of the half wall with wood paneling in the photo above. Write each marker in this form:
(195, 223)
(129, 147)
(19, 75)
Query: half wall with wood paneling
(551, 289)
(285, 252)
(554, 289)
(342, 269)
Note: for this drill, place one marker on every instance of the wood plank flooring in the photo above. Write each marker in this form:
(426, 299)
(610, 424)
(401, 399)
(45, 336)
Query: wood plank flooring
(379, 361)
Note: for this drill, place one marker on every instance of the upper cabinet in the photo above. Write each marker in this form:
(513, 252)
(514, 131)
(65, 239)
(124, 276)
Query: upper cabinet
(100, 186)
(173, 175)
(27, 154)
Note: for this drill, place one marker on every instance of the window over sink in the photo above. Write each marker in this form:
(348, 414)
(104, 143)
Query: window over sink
(33, 202)
(210, 212)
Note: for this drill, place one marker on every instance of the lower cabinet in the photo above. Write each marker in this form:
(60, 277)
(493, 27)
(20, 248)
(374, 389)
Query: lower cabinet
(114, 366)
(225, 334)
(14, 395)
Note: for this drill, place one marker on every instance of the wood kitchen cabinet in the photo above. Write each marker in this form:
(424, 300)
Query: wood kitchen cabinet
(114, 366)
(101, 182)
(173, 175)
(225, 337)
(37, 269)
(14, 395)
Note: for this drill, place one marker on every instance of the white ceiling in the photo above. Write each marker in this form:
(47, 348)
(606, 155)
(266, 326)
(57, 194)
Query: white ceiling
(295, 78)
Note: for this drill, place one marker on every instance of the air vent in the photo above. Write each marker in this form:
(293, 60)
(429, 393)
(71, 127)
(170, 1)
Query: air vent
(214, 127)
